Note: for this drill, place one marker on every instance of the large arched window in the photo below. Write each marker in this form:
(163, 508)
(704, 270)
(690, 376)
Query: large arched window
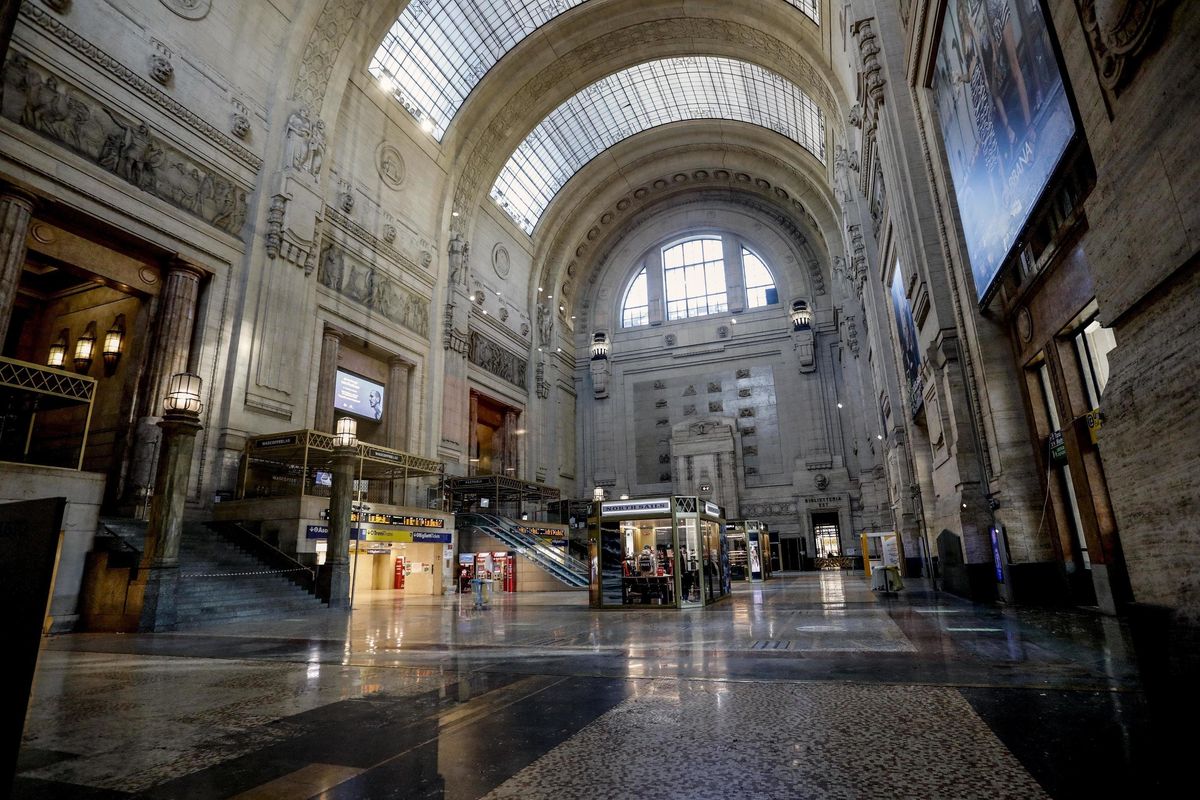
(636, 308)
(695, 279)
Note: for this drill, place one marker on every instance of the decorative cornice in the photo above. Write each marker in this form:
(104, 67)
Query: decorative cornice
(168, 104)
(378, 246)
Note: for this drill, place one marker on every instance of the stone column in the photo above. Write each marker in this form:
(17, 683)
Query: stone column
(16, 212)
(397, 404)
(509, 462)
(472, 432)
(160, 561)
(170, 352)
(173, 338)
(341, 501)
(331, 345)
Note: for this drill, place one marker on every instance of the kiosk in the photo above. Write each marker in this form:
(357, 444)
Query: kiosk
(668, 551)
(749, 550)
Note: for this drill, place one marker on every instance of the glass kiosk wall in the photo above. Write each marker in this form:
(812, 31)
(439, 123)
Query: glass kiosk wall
(668, 551)
(749, 550)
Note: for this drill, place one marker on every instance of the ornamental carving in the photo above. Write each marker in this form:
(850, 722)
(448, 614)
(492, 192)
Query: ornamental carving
(189, 9)
(364, 284)
(305, 143)
(390, 165)
(493, 358)
(1119, 32)
(321, 52)
(55, 28)
(501, 262)
(123, 146)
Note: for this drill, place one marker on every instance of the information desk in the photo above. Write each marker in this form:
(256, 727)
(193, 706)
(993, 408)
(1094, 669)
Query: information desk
(668, 551)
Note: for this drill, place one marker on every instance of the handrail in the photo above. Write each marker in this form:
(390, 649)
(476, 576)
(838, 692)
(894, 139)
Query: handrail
(565, 567)
(300, 574)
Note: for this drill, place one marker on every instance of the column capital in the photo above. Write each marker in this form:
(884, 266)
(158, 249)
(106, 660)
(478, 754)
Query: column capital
(180, 265)
(15, 194)
(400, 361)
(331, 332)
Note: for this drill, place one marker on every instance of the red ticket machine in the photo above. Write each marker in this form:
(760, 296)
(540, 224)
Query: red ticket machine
(398, 583)
(510, 573)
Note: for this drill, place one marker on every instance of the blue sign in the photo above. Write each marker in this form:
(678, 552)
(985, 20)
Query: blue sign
(440, 538)
(322, 532)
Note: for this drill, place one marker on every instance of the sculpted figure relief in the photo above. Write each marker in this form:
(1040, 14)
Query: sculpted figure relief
(459, 252)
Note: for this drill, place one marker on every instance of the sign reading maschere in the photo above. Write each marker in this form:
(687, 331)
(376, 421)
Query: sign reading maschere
(624, 507)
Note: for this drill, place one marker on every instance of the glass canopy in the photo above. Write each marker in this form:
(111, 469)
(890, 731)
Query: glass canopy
(438, 50)
(642, 97)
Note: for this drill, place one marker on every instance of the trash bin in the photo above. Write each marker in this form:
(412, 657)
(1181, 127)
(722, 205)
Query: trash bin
(481, 590)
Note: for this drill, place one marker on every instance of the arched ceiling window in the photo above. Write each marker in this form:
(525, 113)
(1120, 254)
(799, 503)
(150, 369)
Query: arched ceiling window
(437, 51)
(635, 310)
(643, 97)
(695, 279)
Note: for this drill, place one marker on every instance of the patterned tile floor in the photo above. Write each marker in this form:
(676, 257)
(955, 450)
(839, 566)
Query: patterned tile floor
(807, 686)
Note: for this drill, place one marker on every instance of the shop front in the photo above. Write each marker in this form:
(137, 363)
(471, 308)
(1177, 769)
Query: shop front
(669, 551)
(749, 550)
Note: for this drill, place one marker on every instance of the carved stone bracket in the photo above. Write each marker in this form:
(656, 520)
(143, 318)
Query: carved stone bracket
(1119, 32)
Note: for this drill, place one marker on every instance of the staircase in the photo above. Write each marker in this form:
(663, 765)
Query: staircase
(218, 580)
(556, 561)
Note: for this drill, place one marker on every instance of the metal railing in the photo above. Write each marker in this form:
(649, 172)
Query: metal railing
(558, 563)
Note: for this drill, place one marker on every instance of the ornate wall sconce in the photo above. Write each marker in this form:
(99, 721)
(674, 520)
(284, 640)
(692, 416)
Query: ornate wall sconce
(114, 339)
(85, 349)
(801, 315)
(58, 350)
(183, 394)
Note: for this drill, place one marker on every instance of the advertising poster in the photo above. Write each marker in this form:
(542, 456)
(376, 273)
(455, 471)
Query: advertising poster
(906, 335)
(1005, 120)
(357, 395)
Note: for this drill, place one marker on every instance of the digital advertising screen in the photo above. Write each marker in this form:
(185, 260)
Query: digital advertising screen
(356, 395)
(1005, 121)
(906, 335)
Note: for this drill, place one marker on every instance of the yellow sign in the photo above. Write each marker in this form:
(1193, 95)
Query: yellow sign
(1095, 421)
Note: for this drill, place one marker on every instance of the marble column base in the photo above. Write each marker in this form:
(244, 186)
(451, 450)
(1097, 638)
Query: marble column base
(159, 609)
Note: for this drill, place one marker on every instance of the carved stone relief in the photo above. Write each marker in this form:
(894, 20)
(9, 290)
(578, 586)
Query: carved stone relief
(189, 9)
(366, 285)
(390, 165)
(126, 147)
(305, 143)
(494, 358)
(161, 68)
(1119, 32)
(501, 262)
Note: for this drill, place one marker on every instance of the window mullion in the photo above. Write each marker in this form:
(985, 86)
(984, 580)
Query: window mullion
(735, 284)
(654, 286)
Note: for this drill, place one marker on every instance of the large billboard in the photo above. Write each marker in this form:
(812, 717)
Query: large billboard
(906, 335)
(357, 395)
(1005, 121)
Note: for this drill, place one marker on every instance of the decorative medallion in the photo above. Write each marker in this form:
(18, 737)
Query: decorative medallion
(1024, 324)
(189, 9)
(500, 260)
(390, 165)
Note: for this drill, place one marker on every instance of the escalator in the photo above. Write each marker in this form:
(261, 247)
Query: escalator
(557, 562)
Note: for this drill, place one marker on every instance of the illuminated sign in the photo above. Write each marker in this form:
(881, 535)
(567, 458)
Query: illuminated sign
(1005, 121)
(712, 509)
(274, 441)
(357, 395)
(623, 507)
(374, 518)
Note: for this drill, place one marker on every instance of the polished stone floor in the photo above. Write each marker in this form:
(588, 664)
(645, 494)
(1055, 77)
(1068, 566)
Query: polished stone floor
(806, 686)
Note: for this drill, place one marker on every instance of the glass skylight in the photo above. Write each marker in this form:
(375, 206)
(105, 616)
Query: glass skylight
(643, 97)
(438, 50)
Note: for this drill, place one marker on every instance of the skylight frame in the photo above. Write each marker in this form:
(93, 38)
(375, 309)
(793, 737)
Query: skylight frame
(642, 97)
(437, 51)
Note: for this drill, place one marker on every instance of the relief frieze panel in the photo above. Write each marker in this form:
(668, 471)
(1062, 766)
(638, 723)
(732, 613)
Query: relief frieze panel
(121, 145)
(363, 283)
(493, 358)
